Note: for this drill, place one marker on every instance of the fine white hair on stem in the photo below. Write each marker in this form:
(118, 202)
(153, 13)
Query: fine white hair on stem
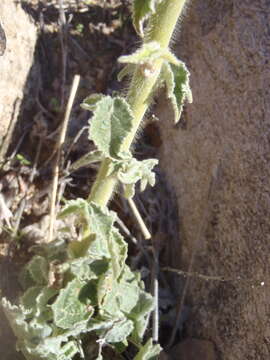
(177, 29)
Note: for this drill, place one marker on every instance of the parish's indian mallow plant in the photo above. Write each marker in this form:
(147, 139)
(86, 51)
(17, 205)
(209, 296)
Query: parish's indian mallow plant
(83, 290)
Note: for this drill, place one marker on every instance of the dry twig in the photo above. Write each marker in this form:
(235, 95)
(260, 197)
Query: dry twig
(139, 219)
(61, 141)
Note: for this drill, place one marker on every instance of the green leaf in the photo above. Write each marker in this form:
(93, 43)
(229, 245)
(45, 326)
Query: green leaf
(148, 351)
(54, 250)
(139, 314)
(38, 269)
(43, 309)
(28, 300)
(128, 290)
(78, 249)
(88, 294)
(50, 348)
(118, 297)
(16, 316)
(87, 159)
(68, 310)
(35, 303)
(78, 206)
(100, 224)
(91, 102)
(120, 347)
(147, 54)
(118, 251)
(134, 170)
(23, 160)
(100, 221)
(38, 330)
(105, 290)
(110, 125)
(80, 268)
(127, 70)
(119, 331)
(142, 9)
(69, 350)
(99, 325)
(176, 78)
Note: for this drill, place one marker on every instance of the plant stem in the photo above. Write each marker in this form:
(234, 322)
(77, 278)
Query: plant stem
(160, 29)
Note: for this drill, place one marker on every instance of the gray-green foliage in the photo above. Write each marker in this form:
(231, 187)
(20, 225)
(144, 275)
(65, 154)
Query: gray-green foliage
(85, 287)
(142, 10)
(174, 73)
(176, 79)
(99, 293)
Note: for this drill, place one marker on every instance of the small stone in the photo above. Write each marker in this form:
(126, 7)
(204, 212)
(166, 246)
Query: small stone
(193, 349)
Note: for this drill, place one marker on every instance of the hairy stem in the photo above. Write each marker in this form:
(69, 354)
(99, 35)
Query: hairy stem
(160, 29)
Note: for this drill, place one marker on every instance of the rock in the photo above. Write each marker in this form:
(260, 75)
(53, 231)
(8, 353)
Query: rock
(15, 65)
(218, 161)
(16, 61)
(193, 349)
(163, 356)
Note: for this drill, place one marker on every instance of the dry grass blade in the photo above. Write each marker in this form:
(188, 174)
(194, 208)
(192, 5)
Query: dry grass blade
(139, 219)
(61, 141)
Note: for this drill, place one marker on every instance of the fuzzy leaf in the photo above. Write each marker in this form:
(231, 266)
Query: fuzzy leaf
(99, 325)
(69, 350)
(105, 287)
(133, 170)
(68, 310)
(139, 314)
(128, 290)
(91, 101)
(78, 206)
(78, 249)
(142, 10)
(119, 331)
(100, 222)
(35, 338)
(110, 125)
(87, 159)
(148, 351)
(37, 269)
(16, 316)
(50, 348)
(43, 310)
(35, 302)
(178, 89)
(148, 53)
(118, 251)
(118, 297)
(53, 250)
(28, 300)
(127, 70)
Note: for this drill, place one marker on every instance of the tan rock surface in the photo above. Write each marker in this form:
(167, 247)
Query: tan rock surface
(193, 349)
(17, 60)
(15, 65)
(218, 161)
